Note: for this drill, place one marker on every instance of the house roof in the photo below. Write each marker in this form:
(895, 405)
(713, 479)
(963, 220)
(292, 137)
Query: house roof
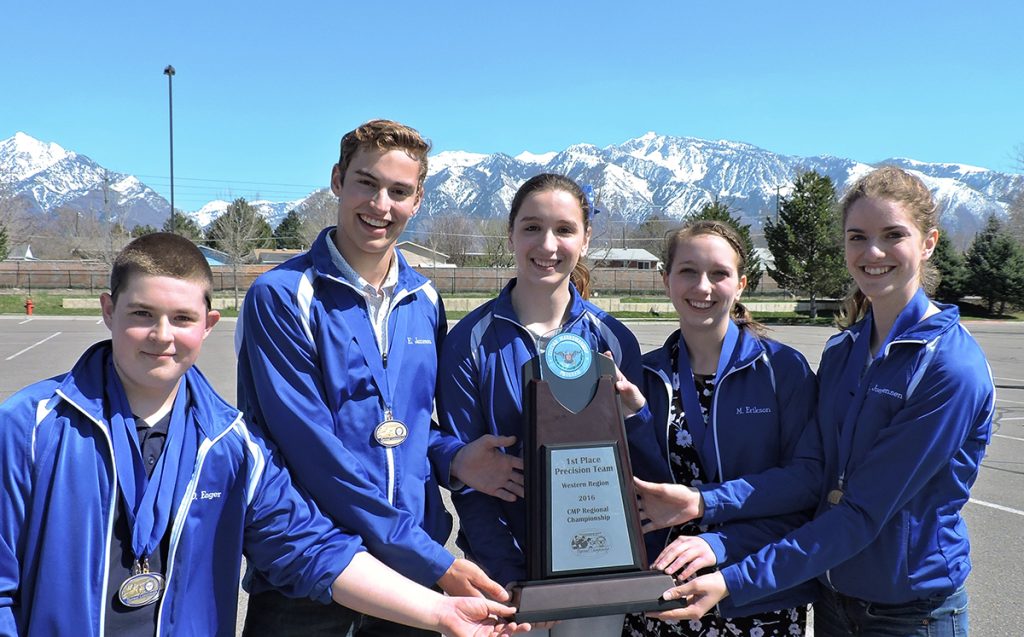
(269, 255)
(623, 254)
(21, 252)
(214, 257)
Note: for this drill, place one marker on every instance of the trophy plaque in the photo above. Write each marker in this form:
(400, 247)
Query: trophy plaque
(585, 552)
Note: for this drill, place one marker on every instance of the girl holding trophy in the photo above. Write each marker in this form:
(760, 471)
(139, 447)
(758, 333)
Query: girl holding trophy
(479, 376)
(726, 401)
(904, 414)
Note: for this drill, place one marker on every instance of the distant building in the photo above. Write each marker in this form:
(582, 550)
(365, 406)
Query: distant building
(21, 252)
(627, 258)
(214, 257)
(423, 257)
(273, 257)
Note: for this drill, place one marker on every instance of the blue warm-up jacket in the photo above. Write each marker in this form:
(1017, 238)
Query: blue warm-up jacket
(762, 406)
(909, 449)
(303, 378)
(480, 392)
(60, 498)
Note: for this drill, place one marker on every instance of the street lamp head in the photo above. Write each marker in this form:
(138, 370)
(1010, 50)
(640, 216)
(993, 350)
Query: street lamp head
(169, 70)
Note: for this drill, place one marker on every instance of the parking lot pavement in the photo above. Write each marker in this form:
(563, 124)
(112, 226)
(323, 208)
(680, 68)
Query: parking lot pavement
(36, 348)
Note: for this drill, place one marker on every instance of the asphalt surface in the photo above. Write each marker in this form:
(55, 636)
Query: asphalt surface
(36, 348)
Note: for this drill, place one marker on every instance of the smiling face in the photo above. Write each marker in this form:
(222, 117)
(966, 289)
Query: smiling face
(377, 196)
(703, 282)
(885, 251)
(157, 325)
(548, 238)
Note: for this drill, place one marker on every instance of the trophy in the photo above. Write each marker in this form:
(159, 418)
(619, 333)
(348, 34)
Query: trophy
(585, 552)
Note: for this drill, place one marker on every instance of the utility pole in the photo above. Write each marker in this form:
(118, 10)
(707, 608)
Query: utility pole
(169, 72)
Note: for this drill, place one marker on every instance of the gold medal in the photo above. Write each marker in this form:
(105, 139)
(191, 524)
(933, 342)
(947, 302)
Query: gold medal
(834, 496)
(391, 433)
(141, 589)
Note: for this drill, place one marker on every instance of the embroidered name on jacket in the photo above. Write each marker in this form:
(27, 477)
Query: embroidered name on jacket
(206, 495)
(416, 340)
(750, 409)
(875, 389)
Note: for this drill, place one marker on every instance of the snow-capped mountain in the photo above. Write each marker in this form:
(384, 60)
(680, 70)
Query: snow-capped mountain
(48, 177)
(648, 175)
(273, 211)
(672, 176)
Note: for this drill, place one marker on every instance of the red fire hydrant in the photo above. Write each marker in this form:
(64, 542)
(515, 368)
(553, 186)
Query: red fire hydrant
(29, 306)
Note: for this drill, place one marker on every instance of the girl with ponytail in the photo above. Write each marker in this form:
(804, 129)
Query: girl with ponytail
(904, 414)
(725, 401)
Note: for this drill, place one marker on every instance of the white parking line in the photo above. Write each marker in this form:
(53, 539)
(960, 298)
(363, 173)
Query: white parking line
(1007, 437)
(33, 345)
(25, 321)
(996, 506)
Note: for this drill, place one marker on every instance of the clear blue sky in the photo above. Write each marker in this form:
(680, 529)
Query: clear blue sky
(264, 91)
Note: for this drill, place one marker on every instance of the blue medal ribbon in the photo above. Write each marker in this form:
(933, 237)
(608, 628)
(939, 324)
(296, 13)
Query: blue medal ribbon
(148, 501)
(691, 402)
(386, 379)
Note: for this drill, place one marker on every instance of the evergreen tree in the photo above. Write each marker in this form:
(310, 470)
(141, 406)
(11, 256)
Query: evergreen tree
(185, 226)
(141, 231)
(720, 211)
(288, 233)
(4, 248)
(952, 270)
(805, 240)
(238, 233)
(1015, 218)
(996, 265)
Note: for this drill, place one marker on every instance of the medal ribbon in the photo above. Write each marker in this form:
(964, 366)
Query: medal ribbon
(691, 402)
(386, 379)
(846, 411)
(148, 501)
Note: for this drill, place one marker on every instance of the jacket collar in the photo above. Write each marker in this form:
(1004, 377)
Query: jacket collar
(923, 331)
(83, 385)
(748, 348)
(409, 280)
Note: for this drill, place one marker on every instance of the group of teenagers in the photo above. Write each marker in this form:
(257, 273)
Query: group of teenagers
(132, 490)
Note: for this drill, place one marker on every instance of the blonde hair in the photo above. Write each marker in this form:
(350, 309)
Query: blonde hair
(893, 184)
(739, 312)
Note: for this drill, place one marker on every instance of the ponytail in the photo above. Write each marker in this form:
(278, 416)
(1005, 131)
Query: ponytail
(745, 320)
(854, 308)
(580, 278)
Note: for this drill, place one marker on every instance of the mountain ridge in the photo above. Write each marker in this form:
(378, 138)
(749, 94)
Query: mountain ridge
(667, 176)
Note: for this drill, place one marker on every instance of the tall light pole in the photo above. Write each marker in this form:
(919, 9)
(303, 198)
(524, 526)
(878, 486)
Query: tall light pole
(169, 72)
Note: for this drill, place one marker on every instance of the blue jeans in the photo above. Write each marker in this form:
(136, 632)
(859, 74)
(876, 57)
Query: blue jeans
(836, 615)
(272, 614)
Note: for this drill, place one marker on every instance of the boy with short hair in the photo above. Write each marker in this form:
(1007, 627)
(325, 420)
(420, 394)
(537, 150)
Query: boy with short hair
(132, 489)
(337, 361)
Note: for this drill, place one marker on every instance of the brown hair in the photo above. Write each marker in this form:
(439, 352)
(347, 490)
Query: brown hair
(384, 135)
(546, 182)
(161, 254)
(895, 185)
(739, 313)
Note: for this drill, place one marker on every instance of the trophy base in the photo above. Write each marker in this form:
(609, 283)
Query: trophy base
(591, 596)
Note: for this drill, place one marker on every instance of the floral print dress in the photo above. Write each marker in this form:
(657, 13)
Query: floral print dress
(687, 469)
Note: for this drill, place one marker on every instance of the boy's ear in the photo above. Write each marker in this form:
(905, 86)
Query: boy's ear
(107, 305)
(212, 317)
